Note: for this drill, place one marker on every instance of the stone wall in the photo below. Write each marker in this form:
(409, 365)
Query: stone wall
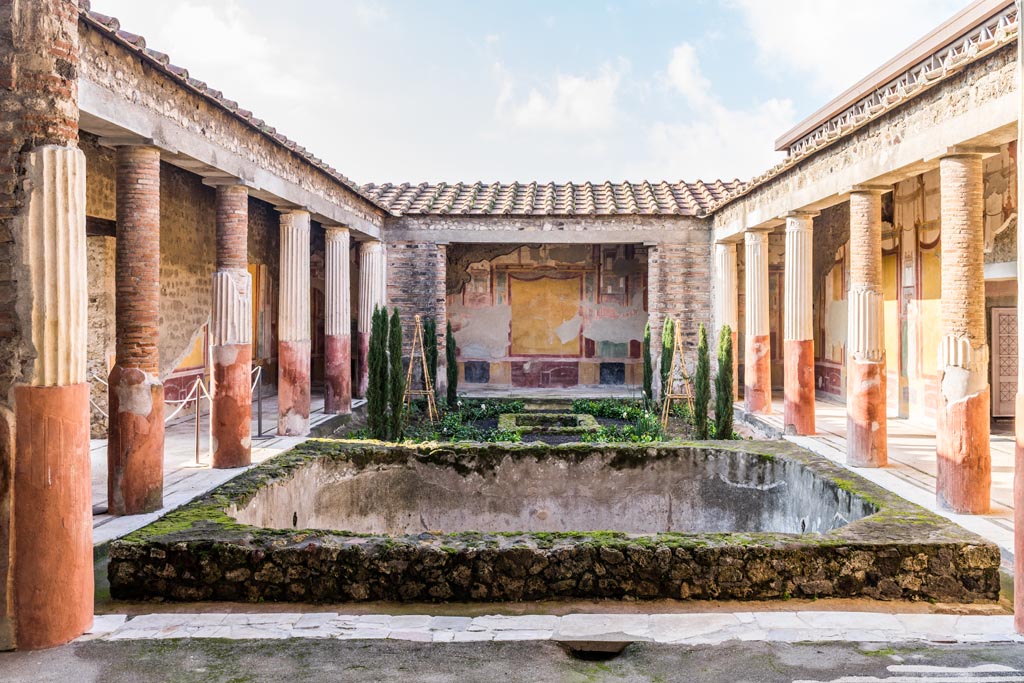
(101, 327)
(679, 286)
(416, 286)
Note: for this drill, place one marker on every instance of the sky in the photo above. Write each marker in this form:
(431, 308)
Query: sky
(545, 90)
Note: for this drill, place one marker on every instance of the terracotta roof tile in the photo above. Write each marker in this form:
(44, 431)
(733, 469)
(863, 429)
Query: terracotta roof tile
(551, 199)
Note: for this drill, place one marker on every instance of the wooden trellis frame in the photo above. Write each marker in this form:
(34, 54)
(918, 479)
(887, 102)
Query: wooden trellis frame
(419, 350)
(669, 394)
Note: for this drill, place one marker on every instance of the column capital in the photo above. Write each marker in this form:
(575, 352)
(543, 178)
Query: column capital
(801, 213)
(227, 182)
(286, 209)
(869, 189)
(966, 151)
(127, 141)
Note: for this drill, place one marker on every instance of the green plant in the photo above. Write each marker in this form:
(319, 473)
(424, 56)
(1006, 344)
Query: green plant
(430, 348)
(723, 386)
(396, 378)
(702, 386)
(453, 365)
(668, 344)
(648, 369)
(608, 408)
(377, 389)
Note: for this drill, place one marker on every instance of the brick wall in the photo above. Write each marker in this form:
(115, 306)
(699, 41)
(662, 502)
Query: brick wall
(682, 290)
(416, 281)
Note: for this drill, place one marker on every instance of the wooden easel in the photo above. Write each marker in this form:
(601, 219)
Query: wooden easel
(669, 393)
(418, 349)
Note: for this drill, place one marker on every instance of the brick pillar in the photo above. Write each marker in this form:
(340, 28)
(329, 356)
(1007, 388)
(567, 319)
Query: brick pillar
(231, 331)
(293, 355)
(799, 329)
(865, 372)
(372, 293)
(654, 312)
(46, 573)
(964, 463)
(1018, 470)
(338, 323)
(135, 446)
(757, 380)
(727, 304)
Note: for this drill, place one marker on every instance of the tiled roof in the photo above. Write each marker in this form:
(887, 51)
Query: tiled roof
(112, 28)
(551, 199)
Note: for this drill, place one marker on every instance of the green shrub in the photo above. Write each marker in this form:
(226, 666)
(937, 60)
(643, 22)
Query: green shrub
(648, 369)
(609, 408)
(377, 385)
(396, 378)
(668, 344)
(430, 348)
(702, 386)
(453, 365)
(723, 386)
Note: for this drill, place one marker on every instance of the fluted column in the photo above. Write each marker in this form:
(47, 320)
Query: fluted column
(757, 380)
(337, 323)
(964, 461)
(1018, 470)
(372, 294)
(865, 372)
(293, 356)
(135, 448)
(798, 325)
(231, 331)
(727, 302)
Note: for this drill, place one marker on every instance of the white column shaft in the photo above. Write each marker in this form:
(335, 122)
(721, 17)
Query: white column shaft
(726, 288)
(756, 283)
(339, 313)
(293, 311)
(798, 288)
(372, 282)
(231, 317)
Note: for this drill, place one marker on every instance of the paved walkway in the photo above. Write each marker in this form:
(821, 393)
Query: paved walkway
(677, 629)
(184, 477)
(912, 463)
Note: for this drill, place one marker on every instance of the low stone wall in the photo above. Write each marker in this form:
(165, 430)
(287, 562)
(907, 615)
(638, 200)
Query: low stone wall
(199, 552)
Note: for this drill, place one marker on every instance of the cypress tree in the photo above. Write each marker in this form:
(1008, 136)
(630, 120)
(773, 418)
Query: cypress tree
(430, 348)
(648, 369)
(668, 343)
(396, 378)
(453, 366)
(702, 388)
(376, 388)
(723, 386)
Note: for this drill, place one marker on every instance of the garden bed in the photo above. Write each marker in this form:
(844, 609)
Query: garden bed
(336, 521)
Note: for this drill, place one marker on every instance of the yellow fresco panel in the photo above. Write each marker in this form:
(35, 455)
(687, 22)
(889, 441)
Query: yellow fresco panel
(930, 322)
(539, 308)
(891, 309)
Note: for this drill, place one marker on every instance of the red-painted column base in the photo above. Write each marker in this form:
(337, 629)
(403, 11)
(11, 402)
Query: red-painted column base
(52, 578)
(866, 428)
(135, 447)
(799, 386)
(964, 480)
(293, 388)
(338, 375)
(232, 406)
(1018, 517)
(757, 382)
(363, 350)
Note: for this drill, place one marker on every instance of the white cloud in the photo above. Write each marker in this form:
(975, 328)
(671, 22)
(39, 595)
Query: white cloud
(716, 141)
(685, 76)
(572, 103)
(835, 43)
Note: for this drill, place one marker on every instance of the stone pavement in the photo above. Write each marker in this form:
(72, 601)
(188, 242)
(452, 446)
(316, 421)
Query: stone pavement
(912, 463)
(184, 478)
(211, 660)
(678, 629)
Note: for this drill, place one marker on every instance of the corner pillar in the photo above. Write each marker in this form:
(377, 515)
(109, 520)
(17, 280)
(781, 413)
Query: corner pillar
(964, 463)
(441, 317)
(135, 446)
(727, 303)
(757, 380)
(231, 331)
(293, 322)
(372, 294)
(1018, 469)
(866, 429)
(338, 323)
(798, 326)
